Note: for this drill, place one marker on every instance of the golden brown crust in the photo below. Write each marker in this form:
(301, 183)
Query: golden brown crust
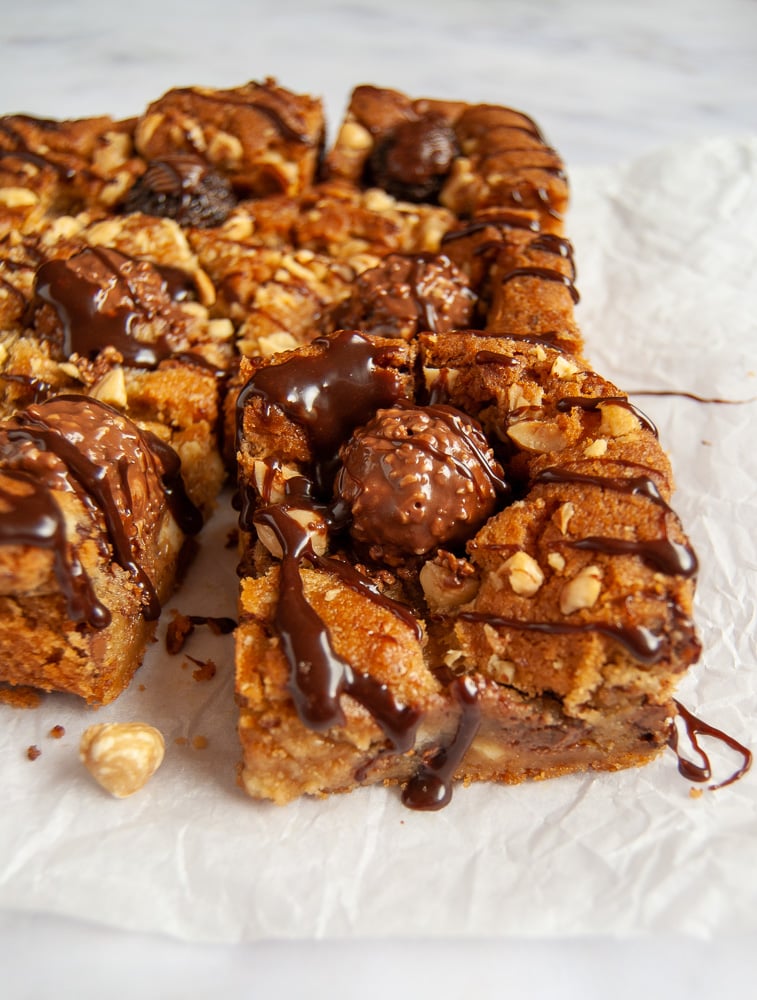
(201, 271)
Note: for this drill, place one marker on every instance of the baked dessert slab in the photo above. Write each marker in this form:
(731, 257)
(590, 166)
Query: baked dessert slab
(549, 640)
(94, 519)
(458, 557)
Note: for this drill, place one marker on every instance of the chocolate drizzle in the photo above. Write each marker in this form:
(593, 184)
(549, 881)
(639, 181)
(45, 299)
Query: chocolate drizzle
(674, 558)
(544, 274)
(30, 516)
(318, 674)
(111, 464)
(99, 304)
(263, 103)
(703, 771)
(642, 643)
(431, 787)
(591, 403)
(328, 393)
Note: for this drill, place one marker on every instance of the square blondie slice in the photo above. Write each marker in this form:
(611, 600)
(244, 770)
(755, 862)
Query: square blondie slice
(94, 520)
(463, 156)
(478, 578)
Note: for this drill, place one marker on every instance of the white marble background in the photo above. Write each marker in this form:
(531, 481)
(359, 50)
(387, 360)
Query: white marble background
(608, 81)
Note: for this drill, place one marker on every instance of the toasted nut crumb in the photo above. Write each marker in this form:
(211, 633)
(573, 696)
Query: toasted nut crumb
(582, 591)
(562, 516)
(443, 588)
(33, 752)
(556, 561)
(57, 732)
(111, 389)
(617, 420)
(562, 367)
(17, 197)
(537, 436)
(596, 449)
(122, 756)
(525, 574)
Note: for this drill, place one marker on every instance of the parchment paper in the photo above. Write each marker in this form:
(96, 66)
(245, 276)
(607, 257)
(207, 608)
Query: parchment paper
(667, 255)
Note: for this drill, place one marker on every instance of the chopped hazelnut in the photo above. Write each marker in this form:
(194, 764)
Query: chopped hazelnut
(582, 591)
(524, 573)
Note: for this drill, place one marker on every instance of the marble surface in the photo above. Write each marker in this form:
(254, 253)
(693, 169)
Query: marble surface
(607, 82)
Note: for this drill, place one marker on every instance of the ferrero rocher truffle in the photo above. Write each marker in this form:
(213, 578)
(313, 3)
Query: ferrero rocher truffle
(182, 187)
(415, 478)
(405, 294)
(413, 160)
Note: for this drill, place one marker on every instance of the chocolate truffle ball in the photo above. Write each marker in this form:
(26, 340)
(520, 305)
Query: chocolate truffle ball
(413, 160)
(407, 293)
(182, 187)
(415, 478)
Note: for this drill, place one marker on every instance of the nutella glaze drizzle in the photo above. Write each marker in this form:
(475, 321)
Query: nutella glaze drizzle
(703, 771)
(321, 394)
(328, 394)
(95, 452)
(98, 301)
(673, 558)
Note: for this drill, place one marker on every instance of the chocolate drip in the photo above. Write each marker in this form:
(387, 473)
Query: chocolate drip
(544, 274)
(328, 394)
(634, 485)
(219, 626)
(462, 429)
(183, 510)
(591, 403)
(94, 315)
(502, 221)
(674, 558)
(557, 245)
(431, 787)
(643, 644)
(351, 578)
(669, 557)
(21, 151)
(493, 358)
(680, 394)
(39, 388)
(703, 772)
(31, 516)
(81, 432)
(288, 131)
(318, 674)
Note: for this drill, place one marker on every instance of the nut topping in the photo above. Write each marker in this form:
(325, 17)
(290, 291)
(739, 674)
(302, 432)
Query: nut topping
(122, 756)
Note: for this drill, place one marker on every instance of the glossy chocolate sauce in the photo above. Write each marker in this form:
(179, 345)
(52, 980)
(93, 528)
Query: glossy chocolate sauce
(31, 517)
(318, 674)
(20, 149)
(502, 221)
(703, 771)
(97, 305)
(592, 403)
(544, 274)
(642, 643)
(328, 394)
(673, 558)
(115, 468)
(431, 787)
(290, 131)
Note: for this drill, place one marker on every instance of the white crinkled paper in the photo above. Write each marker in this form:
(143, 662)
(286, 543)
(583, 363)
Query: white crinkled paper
(667, 255)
